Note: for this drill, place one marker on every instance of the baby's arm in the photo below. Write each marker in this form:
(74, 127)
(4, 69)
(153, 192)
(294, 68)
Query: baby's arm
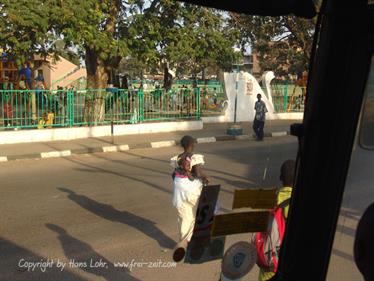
(200, 174)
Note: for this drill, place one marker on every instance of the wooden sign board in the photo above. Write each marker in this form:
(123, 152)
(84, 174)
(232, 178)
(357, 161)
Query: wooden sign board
(255, 198)
(235, 223)
(202, 248)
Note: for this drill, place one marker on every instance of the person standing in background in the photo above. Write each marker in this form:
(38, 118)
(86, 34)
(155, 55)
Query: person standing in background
(27, 73)
(259, 121)
(42, 100)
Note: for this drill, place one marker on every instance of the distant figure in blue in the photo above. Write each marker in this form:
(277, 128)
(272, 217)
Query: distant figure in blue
(27, 73)
(259, 121)
(40, 88)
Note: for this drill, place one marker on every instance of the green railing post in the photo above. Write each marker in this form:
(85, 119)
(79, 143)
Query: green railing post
(70, 109)
(198, 105)
(141, 105)
(285, 97)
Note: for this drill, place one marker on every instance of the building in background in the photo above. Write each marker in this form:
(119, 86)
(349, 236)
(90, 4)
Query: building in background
(60, 72)
(251, 65)
(56, 72)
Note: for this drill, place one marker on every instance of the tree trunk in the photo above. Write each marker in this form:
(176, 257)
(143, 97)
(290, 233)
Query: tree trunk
(203, 74)
(168, 78)
(98, 70)
(97, 81)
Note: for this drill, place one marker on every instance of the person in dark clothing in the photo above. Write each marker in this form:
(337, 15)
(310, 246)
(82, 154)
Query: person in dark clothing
(27, 73)
(259, 121)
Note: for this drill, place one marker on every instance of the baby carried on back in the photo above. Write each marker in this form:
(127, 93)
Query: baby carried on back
(187, 183)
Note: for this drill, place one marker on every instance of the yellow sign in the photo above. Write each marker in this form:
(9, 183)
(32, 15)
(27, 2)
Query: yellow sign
(255, 199)
(240, 223)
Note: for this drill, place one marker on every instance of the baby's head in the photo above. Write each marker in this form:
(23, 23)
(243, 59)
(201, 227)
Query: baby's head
(185, 162)
(188, 143)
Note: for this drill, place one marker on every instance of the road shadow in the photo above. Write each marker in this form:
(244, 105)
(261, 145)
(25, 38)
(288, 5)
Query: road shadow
(93, 169)
(346, 230)
(84, 256)
(167, 174)
(108, 212)
(168, 163)
(343, 255)
(12, 266)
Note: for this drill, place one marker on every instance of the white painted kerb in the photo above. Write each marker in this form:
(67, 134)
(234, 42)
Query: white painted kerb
(278, 134)
(123, 147)
(206, 140)
(110, 148)
(159, 144)
(115, 148)
(26, 136)
(3, 158)
(51, 154)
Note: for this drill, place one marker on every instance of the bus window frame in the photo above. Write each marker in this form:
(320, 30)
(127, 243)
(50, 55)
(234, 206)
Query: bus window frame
(369, 98)
(338, 73)
(330, 122)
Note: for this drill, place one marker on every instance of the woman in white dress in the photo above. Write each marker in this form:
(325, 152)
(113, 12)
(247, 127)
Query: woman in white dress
(188, 181)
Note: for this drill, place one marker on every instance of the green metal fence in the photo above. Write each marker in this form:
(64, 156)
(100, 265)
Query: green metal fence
(62, 108)
(287, 97)
(212, 92)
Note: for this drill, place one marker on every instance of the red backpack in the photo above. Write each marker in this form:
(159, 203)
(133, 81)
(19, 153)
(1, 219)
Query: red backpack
(268, 243)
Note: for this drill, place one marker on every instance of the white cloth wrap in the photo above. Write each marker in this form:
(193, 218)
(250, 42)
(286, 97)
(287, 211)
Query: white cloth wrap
(185, 190)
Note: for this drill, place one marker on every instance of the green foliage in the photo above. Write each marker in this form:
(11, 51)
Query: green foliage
(25, 28)
(189, 38)
(283, 44)
(93, 27)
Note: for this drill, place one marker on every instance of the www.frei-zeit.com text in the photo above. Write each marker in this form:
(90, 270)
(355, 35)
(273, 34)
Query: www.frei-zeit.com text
(45, 265)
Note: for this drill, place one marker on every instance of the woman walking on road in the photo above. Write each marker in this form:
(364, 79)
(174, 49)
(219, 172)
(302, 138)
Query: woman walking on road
(188, 181)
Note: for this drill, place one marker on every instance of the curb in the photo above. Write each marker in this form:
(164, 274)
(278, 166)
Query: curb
(126, 147)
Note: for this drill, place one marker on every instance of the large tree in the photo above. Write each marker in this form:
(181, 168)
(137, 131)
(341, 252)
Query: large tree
(94, 29)
(91, 27)
(25, 29)
(213, 41)
(182, 37)
(283, 44)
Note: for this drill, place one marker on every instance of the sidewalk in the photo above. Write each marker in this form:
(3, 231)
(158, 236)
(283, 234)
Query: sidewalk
(210, 133)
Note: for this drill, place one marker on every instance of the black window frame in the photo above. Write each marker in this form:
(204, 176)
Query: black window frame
(339, 67)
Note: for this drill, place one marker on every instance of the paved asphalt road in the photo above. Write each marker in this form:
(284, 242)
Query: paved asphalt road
(116, 207)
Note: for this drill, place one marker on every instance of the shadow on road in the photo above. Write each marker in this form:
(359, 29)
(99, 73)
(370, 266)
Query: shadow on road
(12, 266)
(92, 168)
(147, 168)
(168, 163)
(82, 255)
(343, 255)
(106, 211)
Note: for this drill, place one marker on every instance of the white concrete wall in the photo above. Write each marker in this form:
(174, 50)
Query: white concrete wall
(61, 67)
(55, 69)
(43, 135)
(248, 88)
(275, 116)
(82, 72)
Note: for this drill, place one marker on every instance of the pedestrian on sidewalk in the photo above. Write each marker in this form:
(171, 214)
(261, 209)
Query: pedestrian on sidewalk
(188, 181)
(259, 121)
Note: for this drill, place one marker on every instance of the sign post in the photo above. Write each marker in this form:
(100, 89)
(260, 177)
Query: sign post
(203, 247)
